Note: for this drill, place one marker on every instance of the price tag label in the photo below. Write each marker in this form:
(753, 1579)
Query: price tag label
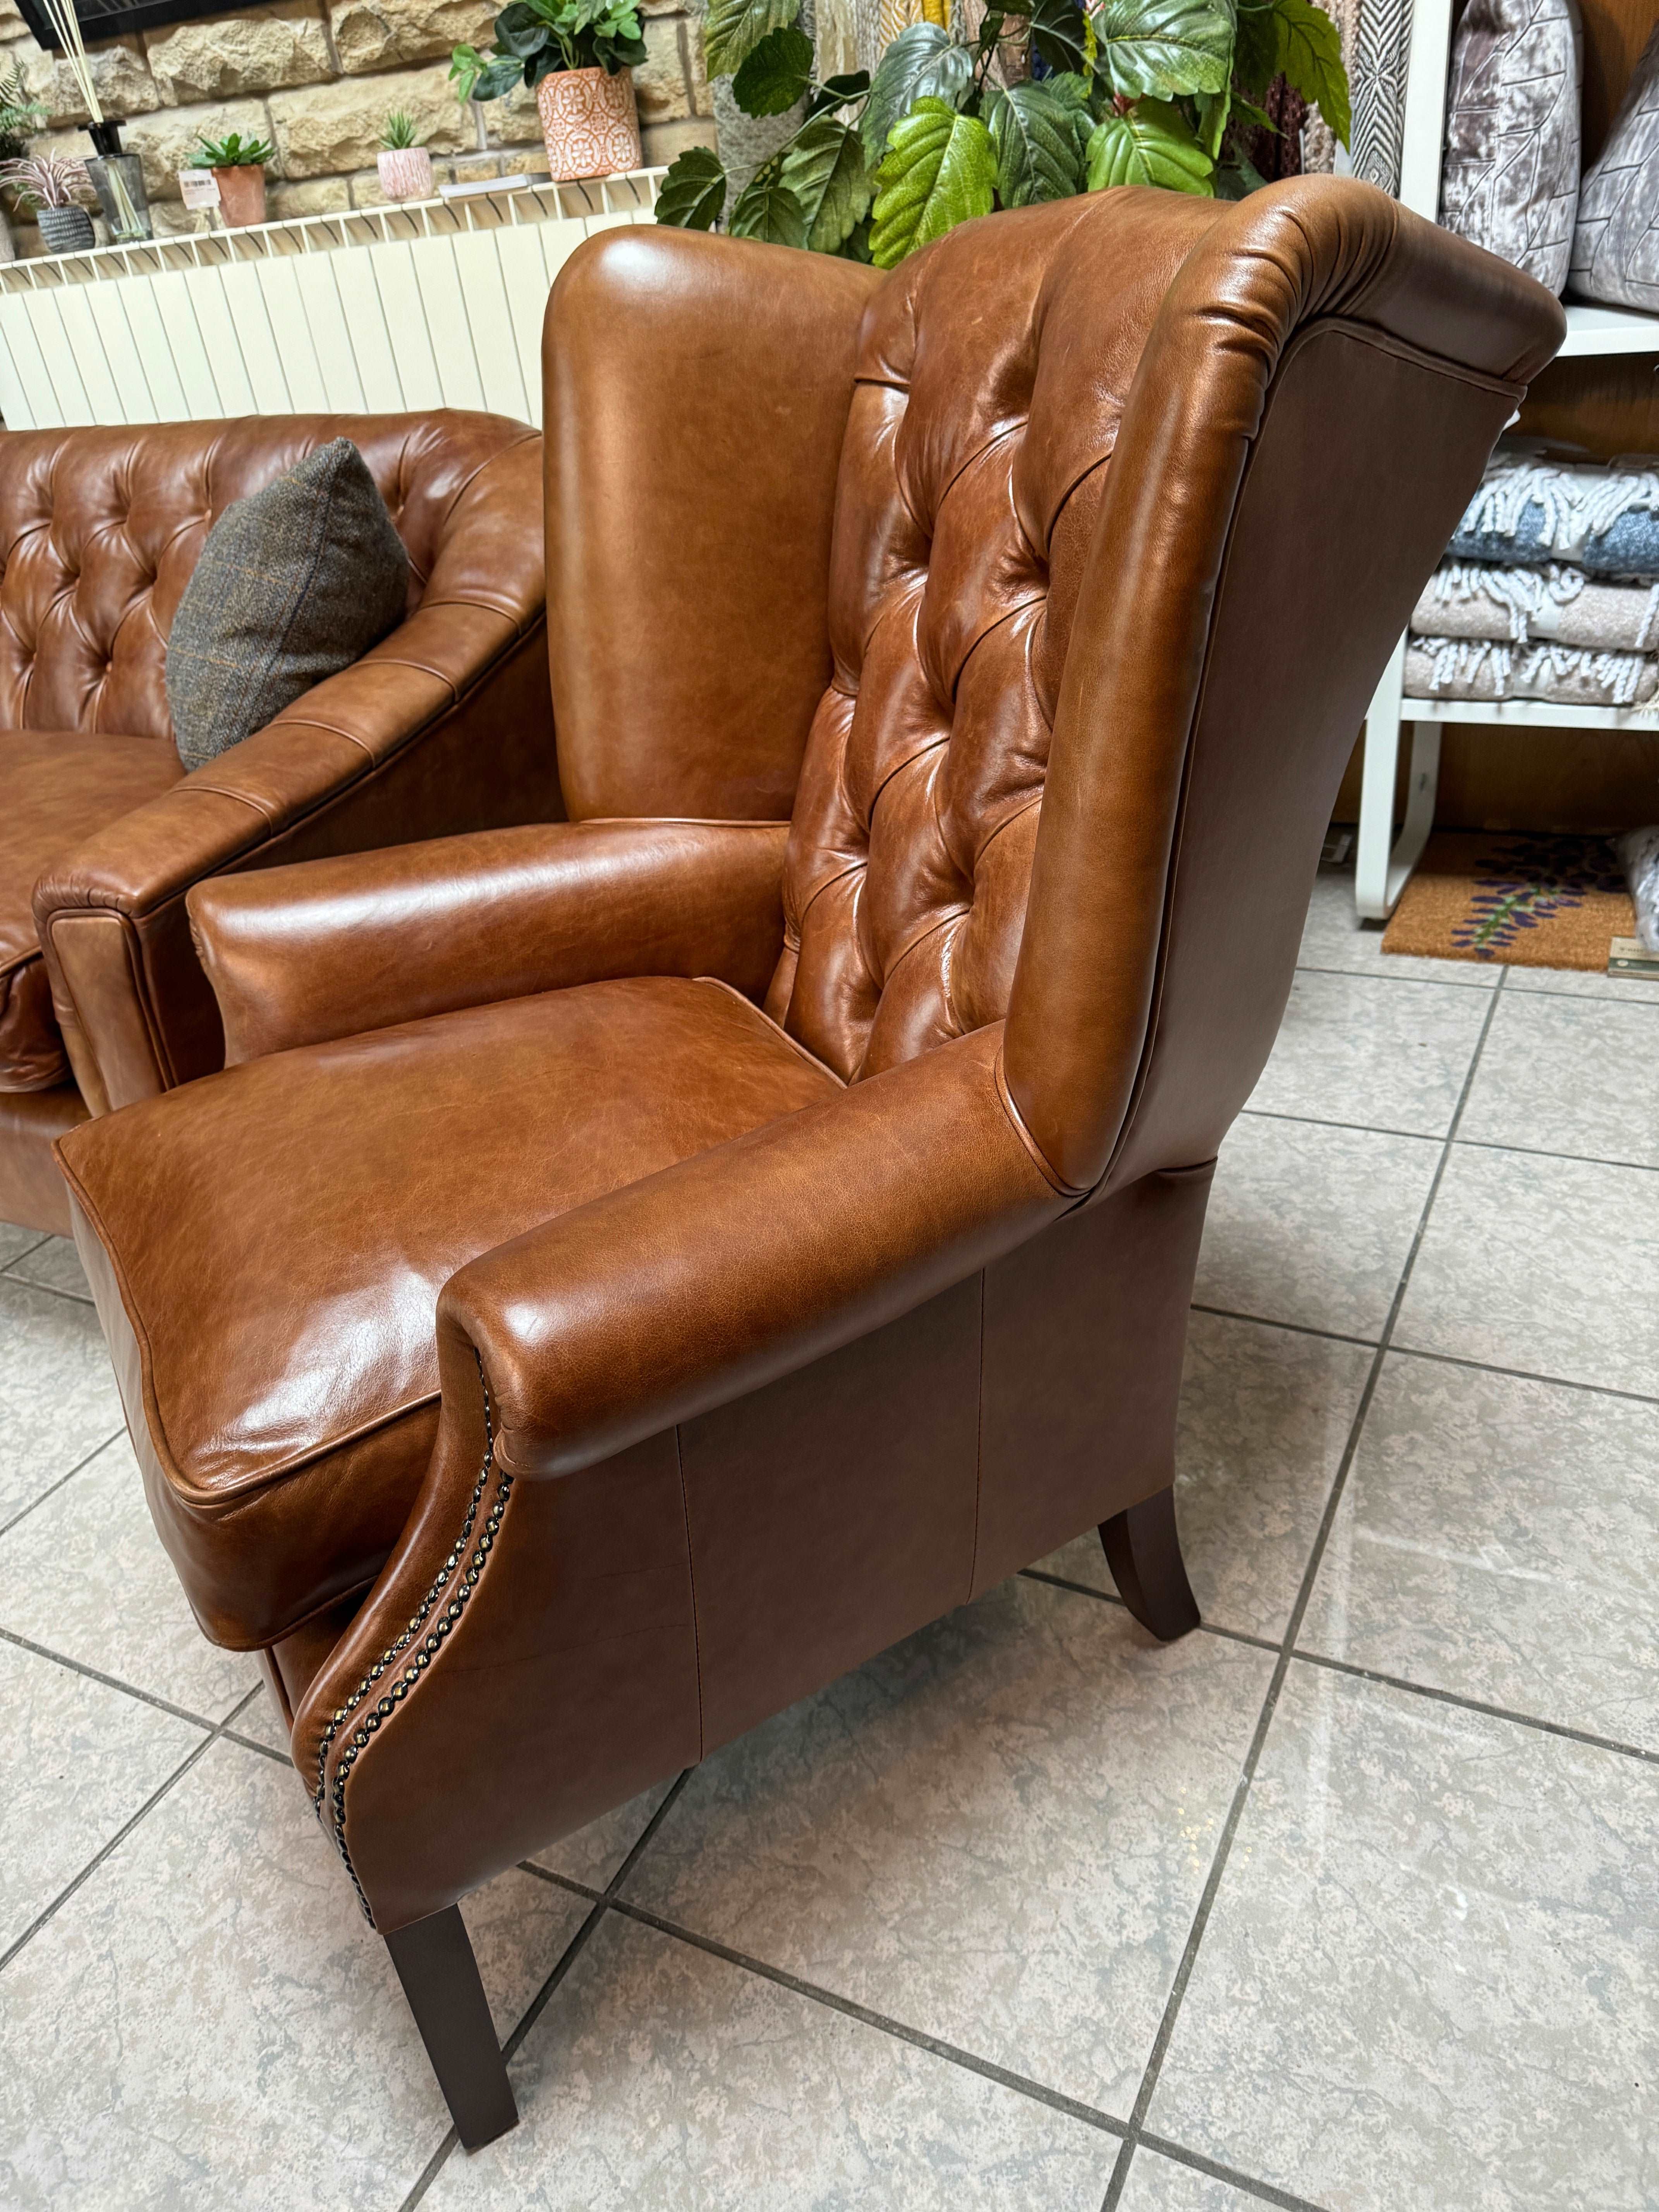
(200, 188)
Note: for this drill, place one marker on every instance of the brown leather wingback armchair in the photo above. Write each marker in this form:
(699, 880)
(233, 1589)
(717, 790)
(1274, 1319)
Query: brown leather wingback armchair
(634, 1271)
(445, 724)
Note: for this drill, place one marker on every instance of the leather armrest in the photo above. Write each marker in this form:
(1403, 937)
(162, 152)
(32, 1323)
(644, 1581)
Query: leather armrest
(690, 1287)
(445, 724)
(333, 947)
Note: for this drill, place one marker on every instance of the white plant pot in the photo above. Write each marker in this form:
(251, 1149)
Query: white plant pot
(405, 172)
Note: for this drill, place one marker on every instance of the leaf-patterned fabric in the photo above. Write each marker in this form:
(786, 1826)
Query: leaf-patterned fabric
(1615, 246)
(1510, 180)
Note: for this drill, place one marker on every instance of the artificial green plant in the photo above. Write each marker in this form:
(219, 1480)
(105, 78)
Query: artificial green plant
(233, 151)
(534, 38)
(1048, 99)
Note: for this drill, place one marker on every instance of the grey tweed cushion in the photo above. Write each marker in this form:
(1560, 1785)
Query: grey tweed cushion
(293, 584)
(1510, 180)
(1615, 248)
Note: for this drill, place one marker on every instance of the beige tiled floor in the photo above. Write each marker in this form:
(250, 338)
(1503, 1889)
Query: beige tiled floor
(1348, 1901)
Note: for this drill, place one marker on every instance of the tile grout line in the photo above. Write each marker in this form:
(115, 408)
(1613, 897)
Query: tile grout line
(952, 2054)
(566, 1959)
(46, 1290)
(1371, 976)
(127, 1689)
(1442, 1358)
(1183, 1974)
(121, 1834)
(52, 1488)
(1428, 1137)
(1303, 1657)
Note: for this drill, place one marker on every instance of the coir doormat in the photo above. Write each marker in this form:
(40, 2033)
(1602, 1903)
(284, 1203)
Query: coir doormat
(1530, 901)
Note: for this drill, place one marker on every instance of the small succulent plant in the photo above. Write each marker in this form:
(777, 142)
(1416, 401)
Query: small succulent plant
(47, 181)
(398, 133)
(233, 151)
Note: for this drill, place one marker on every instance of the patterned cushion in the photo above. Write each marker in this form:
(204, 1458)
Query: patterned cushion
(1615, 246)
(1511, 181)
(294, 584)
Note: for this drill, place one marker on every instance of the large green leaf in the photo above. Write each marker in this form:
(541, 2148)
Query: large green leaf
(1164, 48)
(733, 29)
(824, 168)
(693, 192)
(1151, 144)
(520, 31)
(1255, 55)
(776, 74)
(1060, 33)
(836, 91)
(1309, 58)
(770, 211)
(939, 168)
(923, 63)
(1039, 156)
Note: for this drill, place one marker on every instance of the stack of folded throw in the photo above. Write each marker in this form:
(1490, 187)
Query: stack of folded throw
(1549, 590)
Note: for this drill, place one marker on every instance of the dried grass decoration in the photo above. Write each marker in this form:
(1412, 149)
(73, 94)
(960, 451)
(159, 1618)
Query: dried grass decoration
(127, 219)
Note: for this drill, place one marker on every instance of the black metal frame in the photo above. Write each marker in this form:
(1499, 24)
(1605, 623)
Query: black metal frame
(100, 20)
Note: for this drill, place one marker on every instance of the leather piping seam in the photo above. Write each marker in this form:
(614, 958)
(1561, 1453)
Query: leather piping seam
(139, 984)
(185, 1492)
(95, 898)
(1328, 325)
(457, 1574)
(818, 1066)
(1049, 1175)
(1370, 334)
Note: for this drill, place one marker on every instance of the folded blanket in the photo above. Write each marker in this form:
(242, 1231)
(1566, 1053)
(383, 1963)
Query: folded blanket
(1475, 668)
(1604, 518)
(1470, 598)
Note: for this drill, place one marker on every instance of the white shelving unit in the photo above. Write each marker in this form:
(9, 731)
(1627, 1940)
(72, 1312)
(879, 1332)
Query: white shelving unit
(1383, 862)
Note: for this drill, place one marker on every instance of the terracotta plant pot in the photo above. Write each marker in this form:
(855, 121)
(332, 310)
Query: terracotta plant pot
(242, 195)
(589, 124)
(405, 172)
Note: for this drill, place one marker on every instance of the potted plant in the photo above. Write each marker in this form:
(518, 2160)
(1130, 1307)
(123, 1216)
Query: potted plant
(49, 182)
(1045, 98)
(576, 55)
(239, 170)
(117, 178)
(20, 116)
(405, 168)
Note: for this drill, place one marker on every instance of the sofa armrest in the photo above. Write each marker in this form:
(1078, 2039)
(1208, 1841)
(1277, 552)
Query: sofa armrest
(299, 955)
(556, 1657)
(684, 1290)
(445, 725)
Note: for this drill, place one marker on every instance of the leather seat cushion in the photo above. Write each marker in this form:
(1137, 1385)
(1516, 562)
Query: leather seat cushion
(56, 787)
(270, 1242)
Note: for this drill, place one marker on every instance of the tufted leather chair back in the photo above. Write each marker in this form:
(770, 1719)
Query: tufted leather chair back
(976, 458)
(1135, 496)
(100, 531)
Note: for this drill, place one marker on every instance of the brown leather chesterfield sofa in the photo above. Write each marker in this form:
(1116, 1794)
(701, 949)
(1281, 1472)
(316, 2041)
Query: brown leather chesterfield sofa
(445, 724)
(633, 1270)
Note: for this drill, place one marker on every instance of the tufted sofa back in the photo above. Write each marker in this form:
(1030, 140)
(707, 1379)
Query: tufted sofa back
(976, 454)
(100, 531)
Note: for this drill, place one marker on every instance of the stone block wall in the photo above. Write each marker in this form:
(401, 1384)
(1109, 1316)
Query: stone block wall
(318, 78)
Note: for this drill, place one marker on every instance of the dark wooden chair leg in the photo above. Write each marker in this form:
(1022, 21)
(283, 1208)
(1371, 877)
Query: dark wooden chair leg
(440, 1975)
(1143, 1551)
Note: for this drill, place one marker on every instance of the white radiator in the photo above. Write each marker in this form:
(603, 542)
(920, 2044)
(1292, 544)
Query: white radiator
(434, 304)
